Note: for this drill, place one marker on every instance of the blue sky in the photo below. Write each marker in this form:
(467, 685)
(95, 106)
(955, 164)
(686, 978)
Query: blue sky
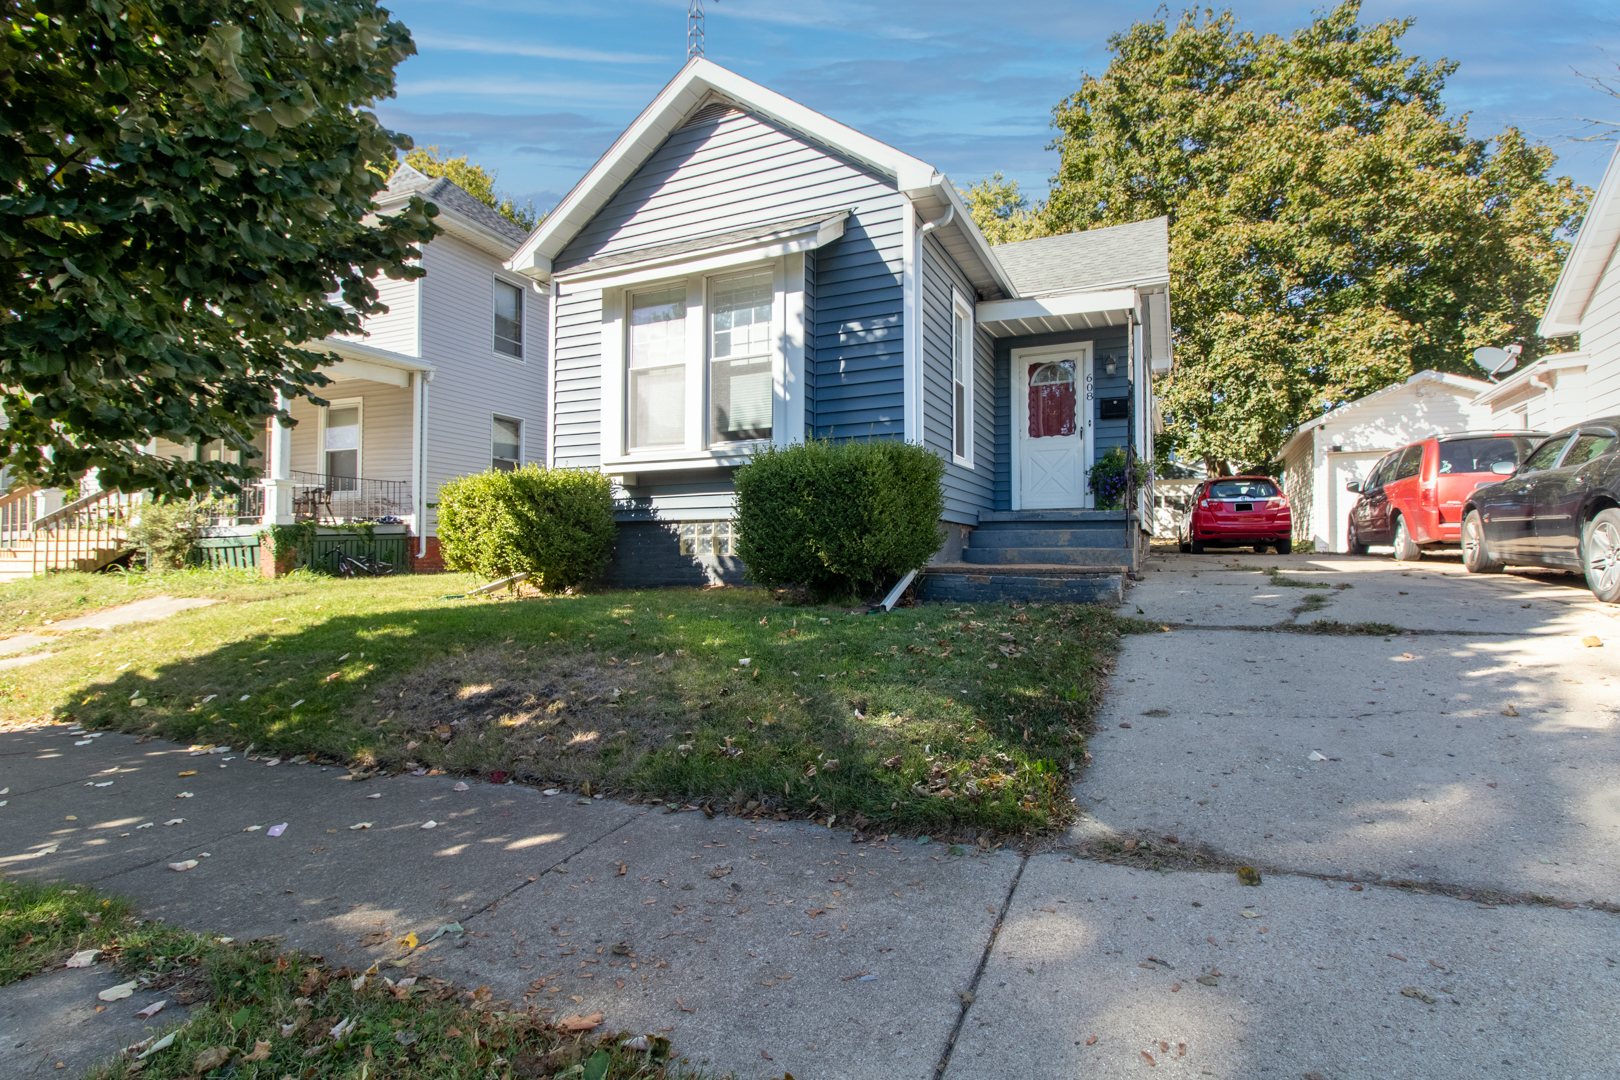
(537, 89)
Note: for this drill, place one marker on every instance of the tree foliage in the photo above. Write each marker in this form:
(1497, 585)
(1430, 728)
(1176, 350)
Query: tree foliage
(1331, 230)
(183, 185)
(476, 181)
(1003, 213)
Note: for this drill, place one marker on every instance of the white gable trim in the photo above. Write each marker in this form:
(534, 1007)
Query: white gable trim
(702, 80)
(1456, 382)
(1589, 256)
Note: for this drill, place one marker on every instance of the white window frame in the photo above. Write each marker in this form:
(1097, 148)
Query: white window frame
(358, 404)
(960, 308)
(523, 438)
(787, 365)
(523, 288)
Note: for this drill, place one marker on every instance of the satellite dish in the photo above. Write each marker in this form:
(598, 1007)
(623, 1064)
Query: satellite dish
(1497, 361)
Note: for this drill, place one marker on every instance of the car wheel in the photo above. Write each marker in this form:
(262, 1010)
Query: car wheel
(1406, 549)
(1186, 547)
(1284, 547)
(1476, 555)
(1600, 556)
(1353, 544)
(1195, 547)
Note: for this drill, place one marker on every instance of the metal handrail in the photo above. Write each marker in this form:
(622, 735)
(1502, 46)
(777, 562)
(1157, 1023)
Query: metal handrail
(85, 534)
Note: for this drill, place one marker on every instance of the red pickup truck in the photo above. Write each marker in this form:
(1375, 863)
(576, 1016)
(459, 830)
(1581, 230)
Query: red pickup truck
(1413, 498)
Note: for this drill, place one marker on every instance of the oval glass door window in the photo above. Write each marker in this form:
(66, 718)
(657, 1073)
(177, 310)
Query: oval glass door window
(1052, 400)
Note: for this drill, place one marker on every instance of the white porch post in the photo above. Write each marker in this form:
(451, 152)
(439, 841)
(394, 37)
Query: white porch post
(278, 484)
(418, 470)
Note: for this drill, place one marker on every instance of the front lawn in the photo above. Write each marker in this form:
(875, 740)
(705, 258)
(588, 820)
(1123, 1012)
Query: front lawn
(926, 719)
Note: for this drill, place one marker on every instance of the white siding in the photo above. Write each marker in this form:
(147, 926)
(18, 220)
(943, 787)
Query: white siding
(472, 382)
(385, 429)
(1599, 391)
(395, 330)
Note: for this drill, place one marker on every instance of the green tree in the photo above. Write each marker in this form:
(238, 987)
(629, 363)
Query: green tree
(476, 181)
(1331, 230)
(1003, 213)
(184, 187)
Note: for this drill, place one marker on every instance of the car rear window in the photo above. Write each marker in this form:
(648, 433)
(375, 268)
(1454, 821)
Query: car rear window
(1478, 455)
(1243, 489)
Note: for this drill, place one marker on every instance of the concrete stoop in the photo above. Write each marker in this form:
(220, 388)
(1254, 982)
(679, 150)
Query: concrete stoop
(966, 583)
(1049, 556)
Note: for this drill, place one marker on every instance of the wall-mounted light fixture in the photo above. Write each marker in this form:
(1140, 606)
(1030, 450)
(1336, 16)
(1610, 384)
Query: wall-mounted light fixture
(1110, 366)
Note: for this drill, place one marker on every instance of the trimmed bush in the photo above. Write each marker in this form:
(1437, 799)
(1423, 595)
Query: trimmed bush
(839, 518)
(554, 524)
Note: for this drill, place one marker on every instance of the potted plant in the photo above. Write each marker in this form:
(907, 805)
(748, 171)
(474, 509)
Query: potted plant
(1106, 479)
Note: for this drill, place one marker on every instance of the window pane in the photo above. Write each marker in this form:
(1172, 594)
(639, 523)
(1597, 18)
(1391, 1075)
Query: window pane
(506, 443)
(1588, 445)
(341, 467)
(658, 406)
(1546, 454)
(658, 368)
(508, 319)
(658, 328)
(343, 429)
(1478, 455)
(741, 319)
(740, 400)
(1052, 401)
(958, 348)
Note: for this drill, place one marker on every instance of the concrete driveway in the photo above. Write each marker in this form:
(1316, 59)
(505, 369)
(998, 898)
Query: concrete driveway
(1433, 801)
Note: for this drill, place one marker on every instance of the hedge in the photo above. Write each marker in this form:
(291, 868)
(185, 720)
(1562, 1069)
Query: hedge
(839, 518)
(554, 524)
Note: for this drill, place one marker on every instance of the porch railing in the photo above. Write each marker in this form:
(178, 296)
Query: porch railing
(17, 512)
(244, 508)
(323, 497)
(86, 534)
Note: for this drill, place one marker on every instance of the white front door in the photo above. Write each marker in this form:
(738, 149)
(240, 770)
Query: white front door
(1051, 406)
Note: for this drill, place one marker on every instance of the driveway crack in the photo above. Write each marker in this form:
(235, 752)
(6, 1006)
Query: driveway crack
(972, 991)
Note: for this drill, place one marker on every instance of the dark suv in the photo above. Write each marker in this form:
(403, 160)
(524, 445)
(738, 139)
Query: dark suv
(1414, 496)
(1561, 508)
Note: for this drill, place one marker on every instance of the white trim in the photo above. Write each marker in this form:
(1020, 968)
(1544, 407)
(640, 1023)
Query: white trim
(554, 304)
(359, 405)
(787, 418)
(1527, 375)
(418, 472)
(1589, 257)
(1055, 314)
(1084, 408)
(960, 306)
(911, 427)
(805, 238)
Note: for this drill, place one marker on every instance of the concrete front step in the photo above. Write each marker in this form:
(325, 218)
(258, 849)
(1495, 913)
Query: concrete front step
(1031, 516)
(1103, 535)
(963, 583)
(1046, 556)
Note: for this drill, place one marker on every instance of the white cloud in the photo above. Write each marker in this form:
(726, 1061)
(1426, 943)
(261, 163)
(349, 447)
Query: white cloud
(454, 43)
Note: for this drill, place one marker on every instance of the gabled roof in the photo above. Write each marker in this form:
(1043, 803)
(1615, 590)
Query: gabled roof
(1588, 258)
(460, 214)
(1460, 383)
(1119, 256)
(701, 82)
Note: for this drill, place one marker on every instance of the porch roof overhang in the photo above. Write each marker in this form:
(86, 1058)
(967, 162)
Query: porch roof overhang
(361, 361)
(1054, 314)
(716, 249)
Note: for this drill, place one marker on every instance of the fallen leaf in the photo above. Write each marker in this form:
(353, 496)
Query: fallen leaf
(460, 786)
(1091, 1041)
(261, 1051)
(580, 1023)
(362, 825)
(1396, 956)
(184, 795)
(117, 993)
(1592, 641)
(720, 872)
(188, 772)
(1315, 755)
(1248, 875)
(1249, 913)
(430, 824)
(1510, 711)
(151, 1010)
(211, 1058)
(1207, 980)
(409, 940)
(1419, 993)
(162, 1044)
(83, 959)
(183, 866)
(1149, 1057)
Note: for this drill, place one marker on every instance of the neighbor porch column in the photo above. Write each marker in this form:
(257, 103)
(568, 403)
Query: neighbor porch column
(278, 492)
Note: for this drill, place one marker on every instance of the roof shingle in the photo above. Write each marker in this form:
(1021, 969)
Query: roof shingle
(1120, 255)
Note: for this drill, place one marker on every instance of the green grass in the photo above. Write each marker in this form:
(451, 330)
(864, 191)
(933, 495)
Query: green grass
(248, 995)
(42, 924)
(928, 719)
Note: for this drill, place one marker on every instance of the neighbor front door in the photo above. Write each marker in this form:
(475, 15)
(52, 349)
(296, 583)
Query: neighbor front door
(1052, 407)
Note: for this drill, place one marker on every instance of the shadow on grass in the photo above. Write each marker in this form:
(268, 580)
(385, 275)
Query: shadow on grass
(931, 718)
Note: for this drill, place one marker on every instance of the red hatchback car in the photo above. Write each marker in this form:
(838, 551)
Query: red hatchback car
(1413, 498)
(1237, 511)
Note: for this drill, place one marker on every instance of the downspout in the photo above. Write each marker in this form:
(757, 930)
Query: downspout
(914, 299)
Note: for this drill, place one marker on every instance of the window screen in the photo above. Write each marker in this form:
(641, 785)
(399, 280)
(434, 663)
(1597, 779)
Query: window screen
(740, 352)
(506, 444)
(658, 368)
(508, 319)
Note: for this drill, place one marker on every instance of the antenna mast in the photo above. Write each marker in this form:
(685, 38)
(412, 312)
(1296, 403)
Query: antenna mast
(694, 28)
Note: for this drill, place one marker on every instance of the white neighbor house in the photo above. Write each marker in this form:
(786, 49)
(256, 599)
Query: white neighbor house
(1338, 447)
(1565, 388)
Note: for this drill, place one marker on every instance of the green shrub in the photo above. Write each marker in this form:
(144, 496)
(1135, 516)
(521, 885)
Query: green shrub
(554, 524)
(167, 529)
(840, 518)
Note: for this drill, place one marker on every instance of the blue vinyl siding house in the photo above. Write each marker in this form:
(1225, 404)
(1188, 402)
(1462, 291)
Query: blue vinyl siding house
(740, 270)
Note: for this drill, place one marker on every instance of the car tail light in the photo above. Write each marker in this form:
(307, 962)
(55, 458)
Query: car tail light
(1204, 505)
(1280, 502)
